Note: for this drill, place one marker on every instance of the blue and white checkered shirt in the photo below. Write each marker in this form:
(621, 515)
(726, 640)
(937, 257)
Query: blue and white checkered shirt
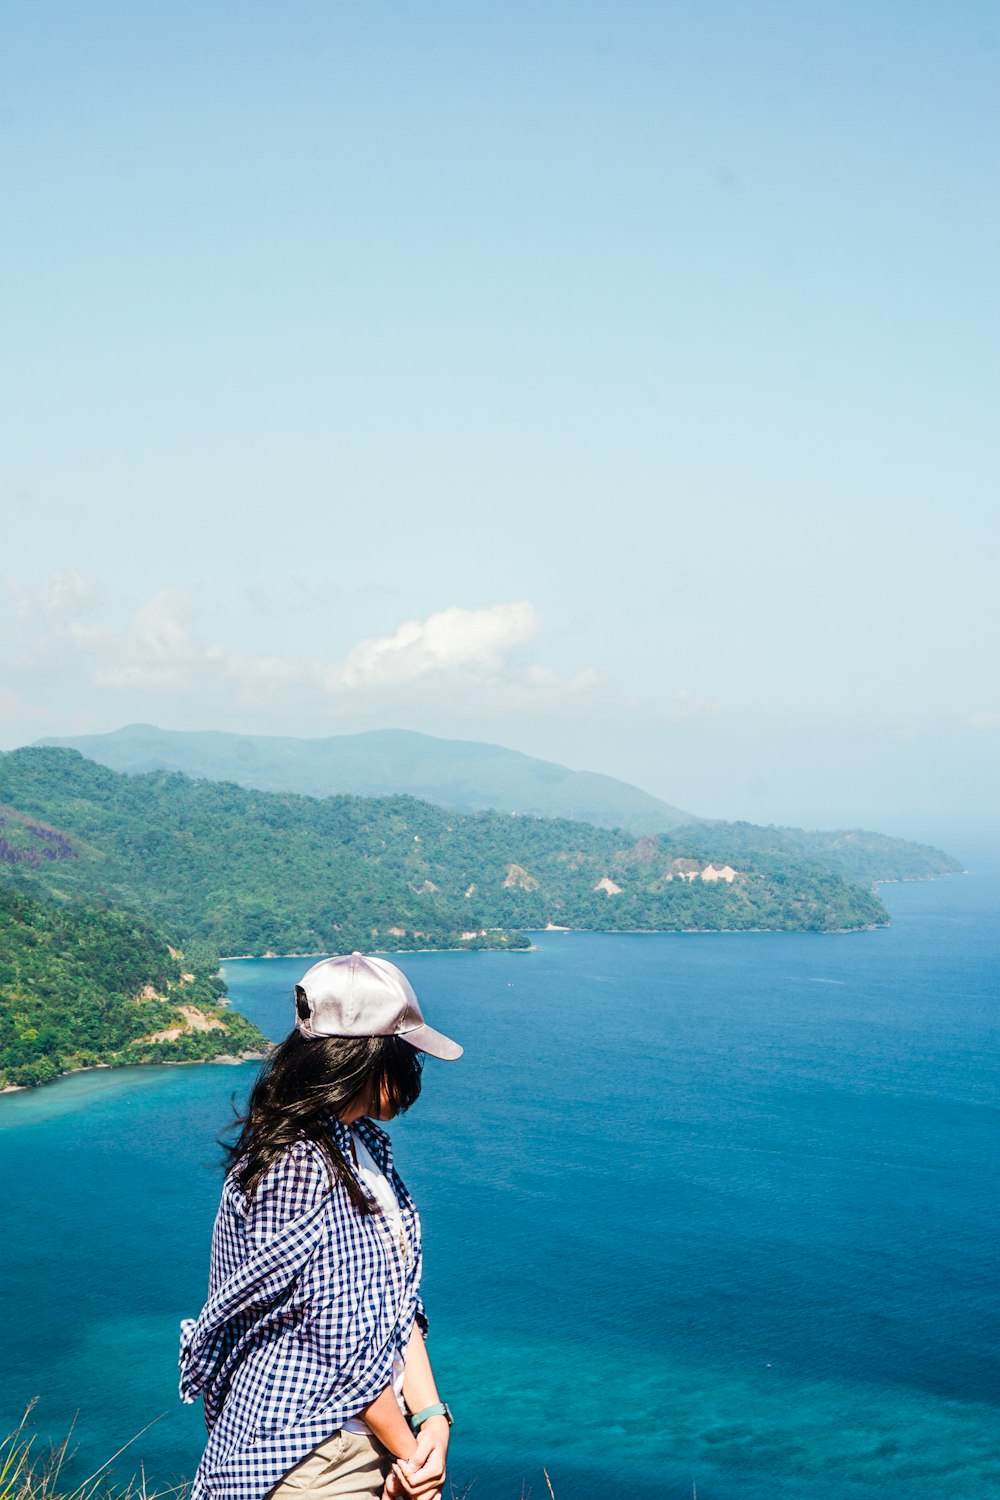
(308, 1304)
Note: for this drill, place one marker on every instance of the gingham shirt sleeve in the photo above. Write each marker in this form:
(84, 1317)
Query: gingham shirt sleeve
(420, 1315)
(292, 1186)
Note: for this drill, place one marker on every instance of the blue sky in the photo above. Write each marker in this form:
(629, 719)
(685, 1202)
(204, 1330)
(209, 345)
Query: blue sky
(613, 381)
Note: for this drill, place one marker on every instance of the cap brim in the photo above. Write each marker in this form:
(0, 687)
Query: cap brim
(426, 1039)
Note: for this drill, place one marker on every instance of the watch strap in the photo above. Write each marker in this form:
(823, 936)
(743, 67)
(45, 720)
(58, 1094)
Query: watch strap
(436, 1409)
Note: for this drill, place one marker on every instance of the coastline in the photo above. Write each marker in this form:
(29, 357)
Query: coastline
(597, 932)
(258, 958)
(227, 1059)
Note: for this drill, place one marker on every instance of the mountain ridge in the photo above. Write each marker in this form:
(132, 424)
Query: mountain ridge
(466, 775)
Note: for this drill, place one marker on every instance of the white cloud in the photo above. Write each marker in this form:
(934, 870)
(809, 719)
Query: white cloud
(478, 640)
(466, 661)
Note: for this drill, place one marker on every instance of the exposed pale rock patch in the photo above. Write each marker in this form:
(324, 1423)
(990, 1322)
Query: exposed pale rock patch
(194, 1020)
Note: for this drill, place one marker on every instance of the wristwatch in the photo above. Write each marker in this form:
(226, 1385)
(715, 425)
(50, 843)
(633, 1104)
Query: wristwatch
(439, 1409)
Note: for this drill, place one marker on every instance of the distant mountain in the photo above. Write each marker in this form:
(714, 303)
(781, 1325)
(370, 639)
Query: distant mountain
(462, 774)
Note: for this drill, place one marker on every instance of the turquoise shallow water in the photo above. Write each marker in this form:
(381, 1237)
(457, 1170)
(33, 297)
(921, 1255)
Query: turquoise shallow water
(712, 1209)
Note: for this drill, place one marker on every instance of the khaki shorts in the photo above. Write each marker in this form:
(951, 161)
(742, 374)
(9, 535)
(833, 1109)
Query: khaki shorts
(345, 1466)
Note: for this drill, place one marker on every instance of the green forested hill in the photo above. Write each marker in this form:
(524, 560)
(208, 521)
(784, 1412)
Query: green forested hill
(81, 985)
(252, 872)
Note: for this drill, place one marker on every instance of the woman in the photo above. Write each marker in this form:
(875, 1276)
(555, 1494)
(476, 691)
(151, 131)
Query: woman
(309, 1352)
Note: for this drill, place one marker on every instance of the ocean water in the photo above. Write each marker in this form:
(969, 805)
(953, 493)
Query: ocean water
(713, 1210)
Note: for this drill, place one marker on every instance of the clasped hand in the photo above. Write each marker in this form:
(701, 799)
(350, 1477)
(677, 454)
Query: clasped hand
(422, 1474)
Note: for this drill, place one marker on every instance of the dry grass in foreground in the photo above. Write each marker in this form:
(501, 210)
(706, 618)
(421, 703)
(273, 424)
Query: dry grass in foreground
(28, 1475)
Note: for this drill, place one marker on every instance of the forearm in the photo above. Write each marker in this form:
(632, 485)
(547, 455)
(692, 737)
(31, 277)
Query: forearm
(424, 1475)
(419, 1386)
(389, 1425)
(419, 1389)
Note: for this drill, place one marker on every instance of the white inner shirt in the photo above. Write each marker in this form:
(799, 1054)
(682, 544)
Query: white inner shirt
(380, 1188)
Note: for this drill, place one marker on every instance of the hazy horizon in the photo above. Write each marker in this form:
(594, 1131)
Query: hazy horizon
(610, 383)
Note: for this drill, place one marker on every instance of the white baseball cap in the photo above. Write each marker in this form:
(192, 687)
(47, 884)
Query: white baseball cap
(355, 995)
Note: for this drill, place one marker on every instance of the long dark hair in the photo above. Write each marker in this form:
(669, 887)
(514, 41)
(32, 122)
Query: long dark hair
(302, 1078)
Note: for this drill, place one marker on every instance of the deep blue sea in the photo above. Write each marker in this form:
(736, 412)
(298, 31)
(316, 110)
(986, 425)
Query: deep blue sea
(699, 1209)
